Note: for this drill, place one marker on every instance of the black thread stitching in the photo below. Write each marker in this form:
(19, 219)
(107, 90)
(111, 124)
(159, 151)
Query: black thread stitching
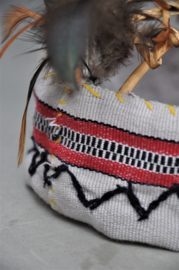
(164, 196)
(34, 148)
(95, 203)
(128, 191)
(46, 177)
(34, 164)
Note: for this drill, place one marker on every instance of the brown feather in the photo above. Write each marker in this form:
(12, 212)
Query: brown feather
(15, 36)
(23, 126)
(14, 17)
(22, 136)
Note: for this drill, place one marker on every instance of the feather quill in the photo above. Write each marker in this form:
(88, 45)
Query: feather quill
(23, 125)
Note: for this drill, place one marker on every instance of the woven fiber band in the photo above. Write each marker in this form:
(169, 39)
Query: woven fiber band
(109, 160)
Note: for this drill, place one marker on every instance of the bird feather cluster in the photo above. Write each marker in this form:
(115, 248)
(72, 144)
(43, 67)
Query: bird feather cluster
(92, 39)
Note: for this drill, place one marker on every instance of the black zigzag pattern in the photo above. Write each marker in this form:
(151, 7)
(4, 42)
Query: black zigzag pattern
(95, 203)
(37, 159)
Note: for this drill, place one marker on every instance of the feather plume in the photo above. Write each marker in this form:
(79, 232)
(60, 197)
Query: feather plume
(113, 30)
(111, 33)
(15, 36)
(109, 30)
(14, 17)
(23, 125)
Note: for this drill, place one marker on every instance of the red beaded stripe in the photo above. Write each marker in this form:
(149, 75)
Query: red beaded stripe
(105, 166)
(113, 134)
(119, 136)
(45, 110)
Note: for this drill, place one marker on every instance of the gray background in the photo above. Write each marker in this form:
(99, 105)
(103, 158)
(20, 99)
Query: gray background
(32, 236)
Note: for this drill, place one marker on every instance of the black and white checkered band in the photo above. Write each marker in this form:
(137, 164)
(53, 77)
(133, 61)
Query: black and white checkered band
(43, 124)
(110, 150)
